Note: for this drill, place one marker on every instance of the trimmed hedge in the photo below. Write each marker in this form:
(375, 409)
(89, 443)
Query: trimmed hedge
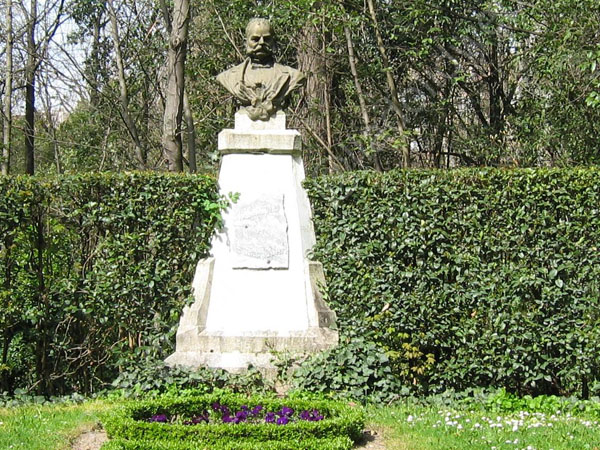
(465, 278)
(468, 278)
(94, 271)
(338, 443)
(129, 424)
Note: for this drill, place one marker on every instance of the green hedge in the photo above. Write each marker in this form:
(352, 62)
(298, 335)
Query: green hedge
(93, 270)
(465, 278)
(468, 278)
(338, 443)
(129, 426)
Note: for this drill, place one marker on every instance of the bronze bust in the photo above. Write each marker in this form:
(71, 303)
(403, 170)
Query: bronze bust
(259, 83)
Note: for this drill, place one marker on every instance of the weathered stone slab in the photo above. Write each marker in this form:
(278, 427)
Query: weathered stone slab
(263, 141)
(259, 237)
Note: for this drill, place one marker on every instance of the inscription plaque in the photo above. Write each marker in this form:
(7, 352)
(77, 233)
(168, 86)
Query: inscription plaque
(259, 239)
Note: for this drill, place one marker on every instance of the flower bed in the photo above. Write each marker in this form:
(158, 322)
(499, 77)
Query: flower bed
(223, 421)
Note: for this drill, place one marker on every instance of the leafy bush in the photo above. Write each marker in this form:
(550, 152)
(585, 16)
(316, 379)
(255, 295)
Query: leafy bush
(340, 426)
(148, 378)
(92, 268)
(356, 369)
(469, 277)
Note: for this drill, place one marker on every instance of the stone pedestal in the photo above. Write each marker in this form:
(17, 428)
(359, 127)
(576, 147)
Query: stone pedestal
(258, 293)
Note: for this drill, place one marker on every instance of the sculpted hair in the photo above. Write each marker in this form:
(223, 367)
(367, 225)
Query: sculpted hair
(257, 21)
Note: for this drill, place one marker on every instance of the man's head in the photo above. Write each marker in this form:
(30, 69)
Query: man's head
(259, 41)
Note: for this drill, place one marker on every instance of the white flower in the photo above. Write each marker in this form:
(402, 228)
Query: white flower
(477, 425)
(459, 427)
(410, 418)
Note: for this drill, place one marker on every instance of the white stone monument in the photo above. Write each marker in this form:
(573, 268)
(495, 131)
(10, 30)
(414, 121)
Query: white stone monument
(259, 293)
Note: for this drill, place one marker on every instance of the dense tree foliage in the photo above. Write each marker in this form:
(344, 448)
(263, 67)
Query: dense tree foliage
(390, 84)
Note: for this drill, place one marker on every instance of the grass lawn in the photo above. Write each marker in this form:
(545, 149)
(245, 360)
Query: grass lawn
(414, 427)
(407, 425)
(47, 427)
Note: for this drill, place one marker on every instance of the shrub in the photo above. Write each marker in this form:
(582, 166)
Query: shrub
(93, 267)
(337, 443)
(468, 278)
(340, 426)
(148, 378)
(356, 369)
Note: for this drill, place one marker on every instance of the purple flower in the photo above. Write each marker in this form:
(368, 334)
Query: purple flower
(285, 411)
(282, 417)
(283, 420)
(311, 416)
(197, 419)
(241, 416)
(217, 407)
(162, 418)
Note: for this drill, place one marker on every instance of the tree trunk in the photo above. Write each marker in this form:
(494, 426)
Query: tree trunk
(312, 60)
(7, 129)
(140, 151)
(397, 107)
(191, 134)
(30, 69)
(361, 98)
(94, 66)
(496, 91)
(171, 139)
(51, 124)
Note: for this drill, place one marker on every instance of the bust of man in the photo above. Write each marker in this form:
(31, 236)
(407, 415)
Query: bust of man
(259, 83)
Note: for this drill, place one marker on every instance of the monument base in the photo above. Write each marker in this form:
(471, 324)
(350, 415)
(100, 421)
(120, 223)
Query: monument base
(236, 350)
(236, 353)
